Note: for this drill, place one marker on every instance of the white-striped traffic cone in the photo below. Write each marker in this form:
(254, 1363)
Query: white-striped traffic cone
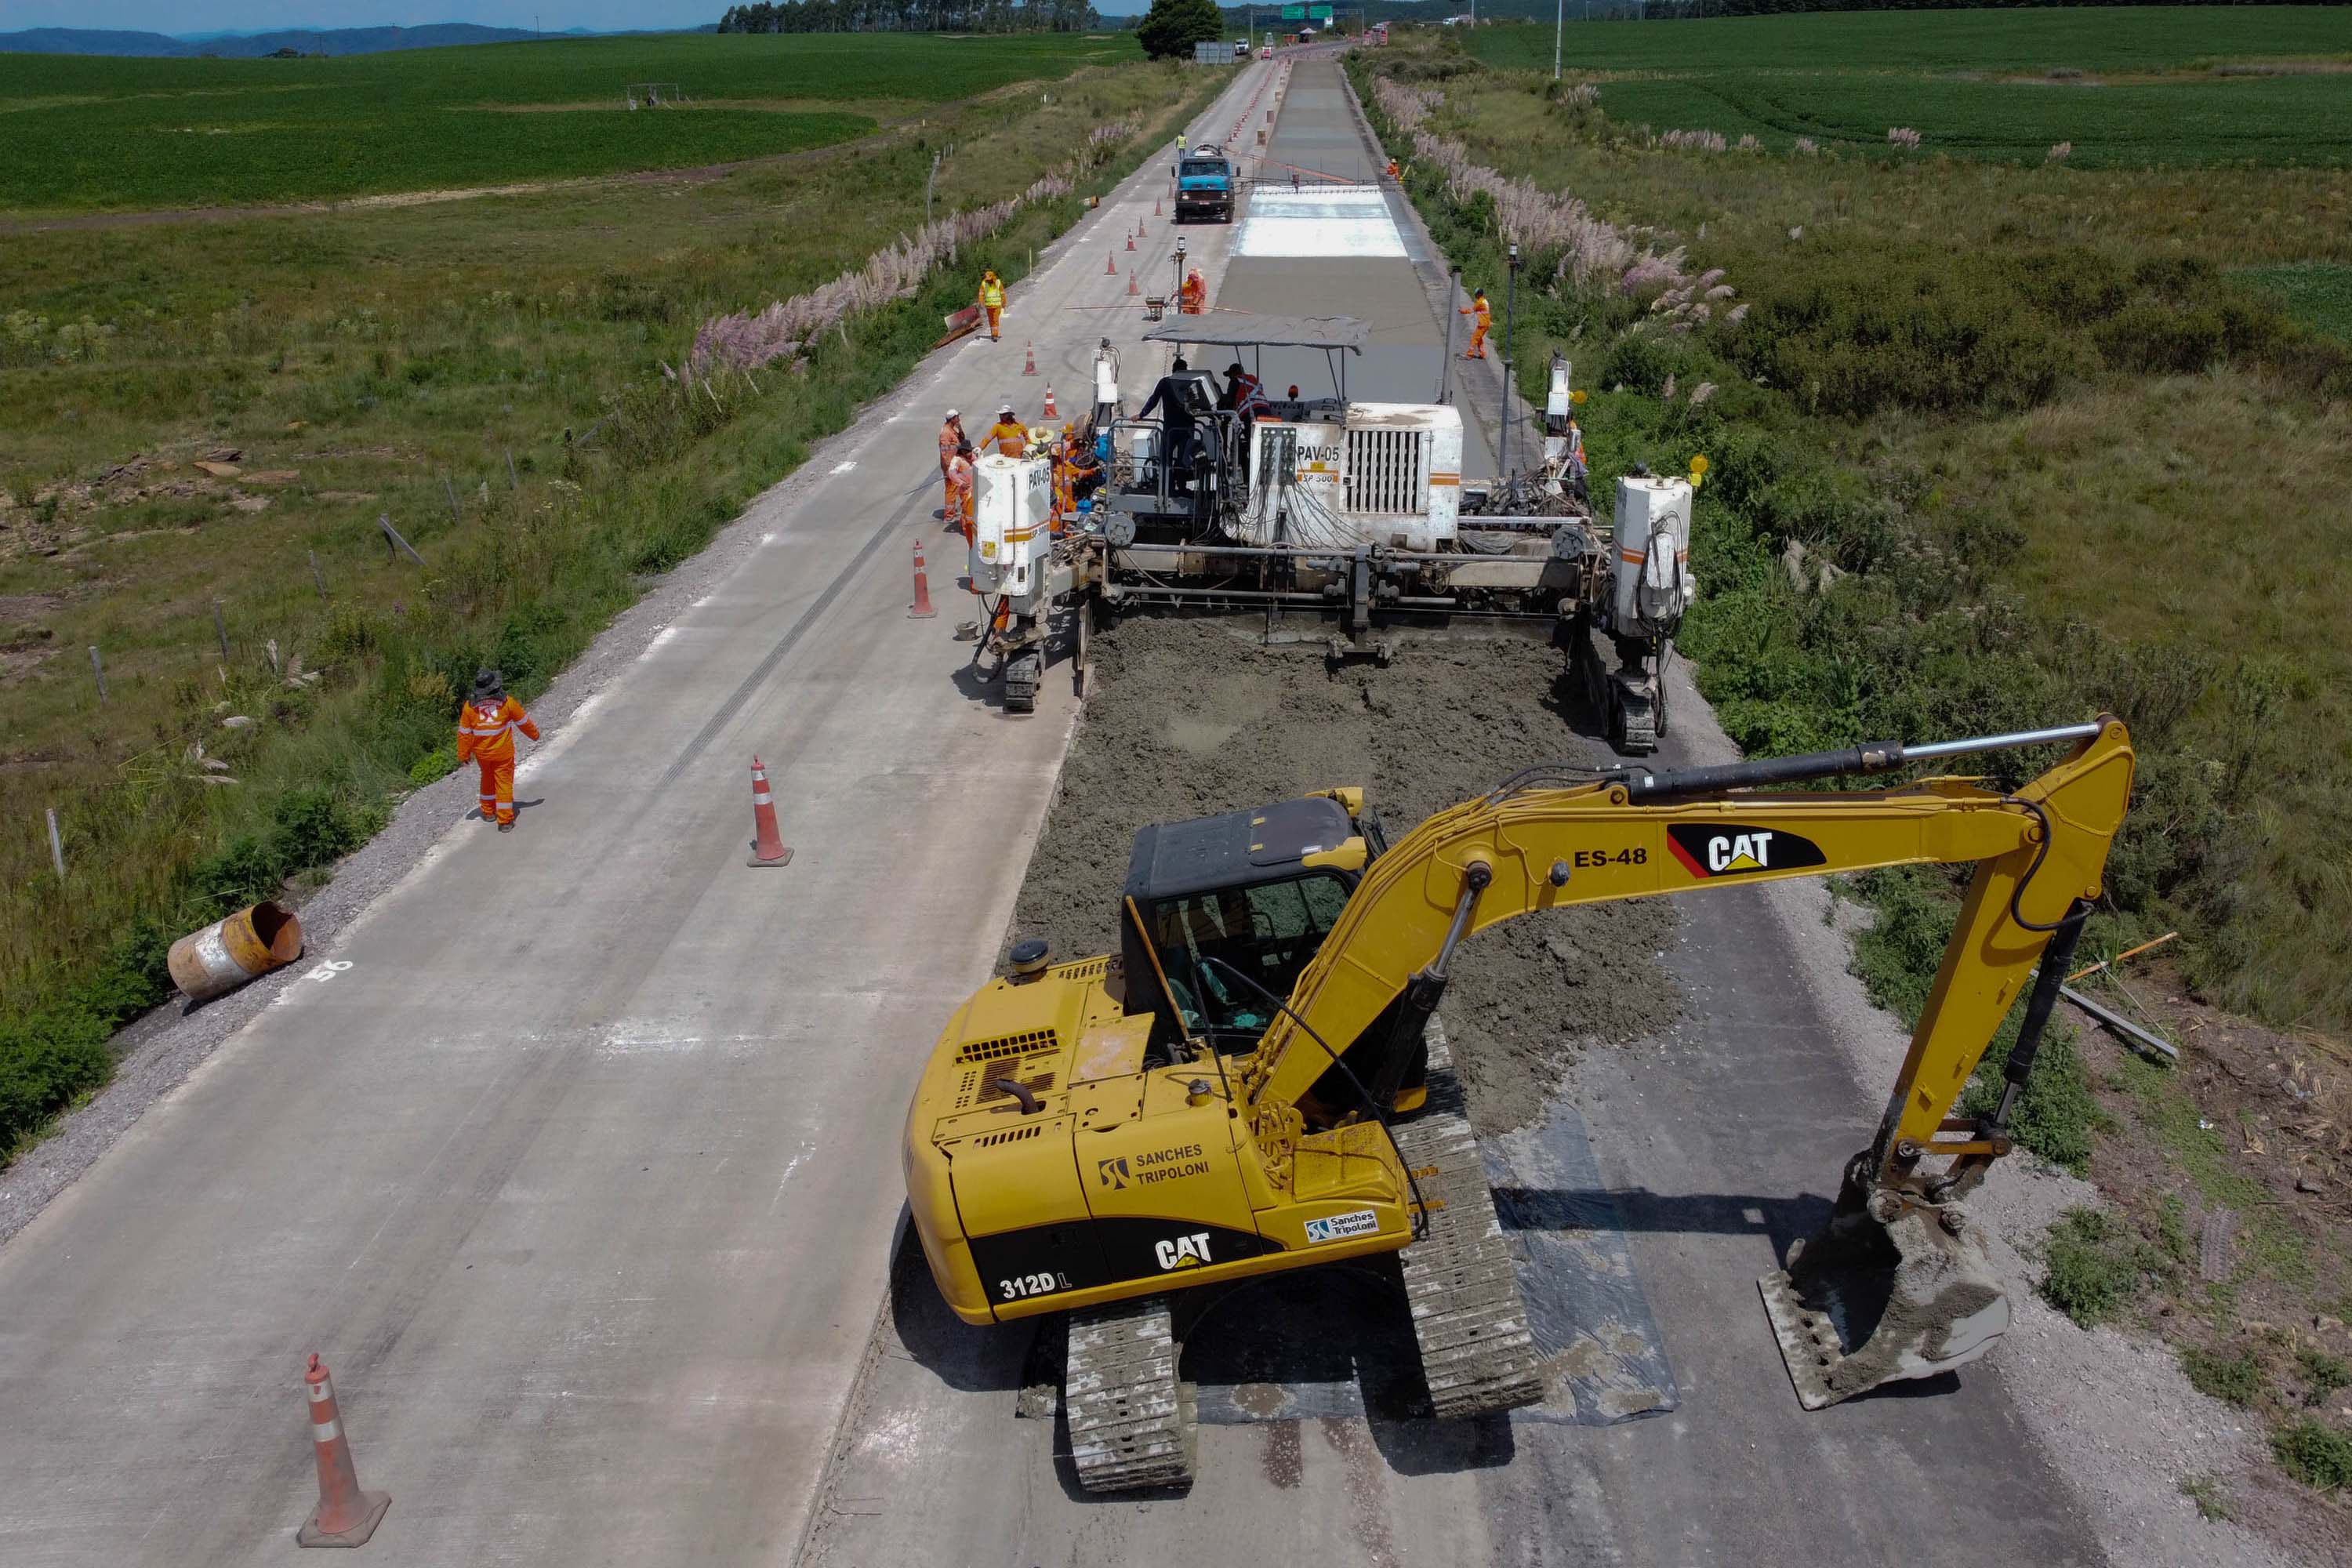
(345, 1516)
(768, 845)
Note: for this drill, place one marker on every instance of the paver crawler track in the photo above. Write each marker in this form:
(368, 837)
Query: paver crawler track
(1132, 1422)
(1476, 1352)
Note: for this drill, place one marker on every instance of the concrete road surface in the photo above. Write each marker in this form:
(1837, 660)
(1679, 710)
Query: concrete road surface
(1719, 1143)
(580, 1166)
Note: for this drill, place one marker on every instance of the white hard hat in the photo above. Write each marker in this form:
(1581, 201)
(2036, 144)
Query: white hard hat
(954, 413)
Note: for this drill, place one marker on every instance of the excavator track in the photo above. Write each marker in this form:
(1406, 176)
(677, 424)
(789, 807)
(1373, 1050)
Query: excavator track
(1478, 1354)
(1132, 1423)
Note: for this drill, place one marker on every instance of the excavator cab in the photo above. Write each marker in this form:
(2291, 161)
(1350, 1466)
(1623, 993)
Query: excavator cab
(1229, 911)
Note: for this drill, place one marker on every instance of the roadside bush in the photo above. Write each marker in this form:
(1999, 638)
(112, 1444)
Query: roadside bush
(240, 872)
(45, 1061)
(2232, 1379)
(439, 764)
(310, 828)
(2316, 1454)
(2096, 1265)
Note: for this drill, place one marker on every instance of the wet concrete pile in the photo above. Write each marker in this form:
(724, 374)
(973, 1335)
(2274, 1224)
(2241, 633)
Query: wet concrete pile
(1186, 718)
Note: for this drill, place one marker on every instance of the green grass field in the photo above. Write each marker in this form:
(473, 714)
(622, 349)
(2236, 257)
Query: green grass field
(375, 360)
(2124, 86)
(85, 133)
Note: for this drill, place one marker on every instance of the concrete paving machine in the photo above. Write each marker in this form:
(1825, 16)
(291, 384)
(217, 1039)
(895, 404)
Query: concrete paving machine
(1252, 1083)
(1358, 512)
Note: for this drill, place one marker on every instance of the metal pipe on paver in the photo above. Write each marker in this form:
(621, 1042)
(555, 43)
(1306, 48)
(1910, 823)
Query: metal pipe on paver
(1510, 304)
(231, 950)
(1445, 366)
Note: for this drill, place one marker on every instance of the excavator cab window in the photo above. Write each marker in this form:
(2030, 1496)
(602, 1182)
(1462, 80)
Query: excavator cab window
(1268, 931)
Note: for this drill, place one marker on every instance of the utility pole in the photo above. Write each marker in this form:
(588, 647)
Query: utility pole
(1559, 20)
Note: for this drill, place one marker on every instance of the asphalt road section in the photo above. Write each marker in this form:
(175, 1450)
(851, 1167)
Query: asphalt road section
(1718, 1139)
(575, 1157)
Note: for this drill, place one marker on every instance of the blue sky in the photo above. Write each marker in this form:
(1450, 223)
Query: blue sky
(179, 17)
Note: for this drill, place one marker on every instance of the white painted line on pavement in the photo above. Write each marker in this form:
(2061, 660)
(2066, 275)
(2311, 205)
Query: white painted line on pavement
(845, 468)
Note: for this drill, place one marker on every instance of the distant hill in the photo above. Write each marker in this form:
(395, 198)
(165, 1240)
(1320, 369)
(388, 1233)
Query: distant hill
(252, 46)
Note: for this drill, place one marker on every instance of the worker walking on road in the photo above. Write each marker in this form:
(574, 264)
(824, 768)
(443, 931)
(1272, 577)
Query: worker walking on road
(951, 440)
(958, 511)
(992, 304)
(1008, 435)
(1483, 318)
(485, 732)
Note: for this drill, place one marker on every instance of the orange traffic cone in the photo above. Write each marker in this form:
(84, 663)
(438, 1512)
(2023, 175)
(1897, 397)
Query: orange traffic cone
(1029, 366)
(1051, 412)
(345, 1516)
(920, 610)
(1131, 242)
(1139, 223)
(1131, 289)
(1110, 265)
(1155, 206)
(768, 845)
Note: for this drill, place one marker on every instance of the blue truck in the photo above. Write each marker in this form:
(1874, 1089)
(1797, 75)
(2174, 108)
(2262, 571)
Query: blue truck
(1204, 185)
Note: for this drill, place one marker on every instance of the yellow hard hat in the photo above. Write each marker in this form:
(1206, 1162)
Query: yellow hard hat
(1699, 465)
(1577, 397)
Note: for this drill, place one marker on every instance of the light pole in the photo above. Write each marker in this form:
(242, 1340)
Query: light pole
(1180, 274)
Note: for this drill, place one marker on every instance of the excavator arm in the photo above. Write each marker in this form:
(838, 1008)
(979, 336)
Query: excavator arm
(2038, 850)
(1896, 1286)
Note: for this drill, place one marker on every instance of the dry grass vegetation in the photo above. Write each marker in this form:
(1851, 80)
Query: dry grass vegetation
(383, 362)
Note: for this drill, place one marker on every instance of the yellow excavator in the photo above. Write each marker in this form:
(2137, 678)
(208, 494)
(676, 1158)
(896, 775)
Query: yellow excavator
(1259, 1081)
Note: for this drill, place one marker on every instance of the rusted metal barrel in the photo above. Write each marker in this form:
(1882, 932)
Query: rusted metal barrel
(228, 953)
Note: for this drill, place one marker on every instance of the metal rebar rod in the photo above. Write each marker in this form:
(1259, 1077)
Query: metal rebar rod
(2118, 1023)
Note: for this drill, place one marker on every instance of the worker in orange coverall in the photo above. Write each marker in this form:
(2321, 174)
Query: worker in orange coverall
(485, 732)
(1008, 436)
(951, 440)
(960, 491)
(1482, 317)
(1193, 296)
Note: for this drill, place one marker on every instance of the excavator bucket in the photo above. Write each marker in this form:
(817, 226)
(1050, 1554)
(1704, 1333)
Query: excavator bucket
(1872, 1301)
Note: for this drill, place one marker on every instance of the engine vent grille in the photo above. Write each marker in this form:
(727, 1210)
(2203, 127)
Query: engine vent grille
(1004, 1046)
(1086, 969)
(991, 1140)
(1388, 471)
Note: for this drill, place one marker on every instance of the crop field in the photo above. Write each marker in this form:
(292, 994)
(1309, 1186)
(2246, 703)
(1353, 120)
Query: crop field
(2122, 87)
(490, 376)
(86, 132)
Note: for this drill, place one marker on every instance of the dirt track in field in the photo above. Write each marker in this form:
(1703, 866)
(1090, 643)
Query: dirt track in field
(1186, 718)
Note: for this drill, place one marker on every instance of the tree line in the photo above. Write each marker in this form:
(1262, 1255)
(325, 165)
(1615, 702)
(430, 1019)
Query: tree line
(911, 17)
